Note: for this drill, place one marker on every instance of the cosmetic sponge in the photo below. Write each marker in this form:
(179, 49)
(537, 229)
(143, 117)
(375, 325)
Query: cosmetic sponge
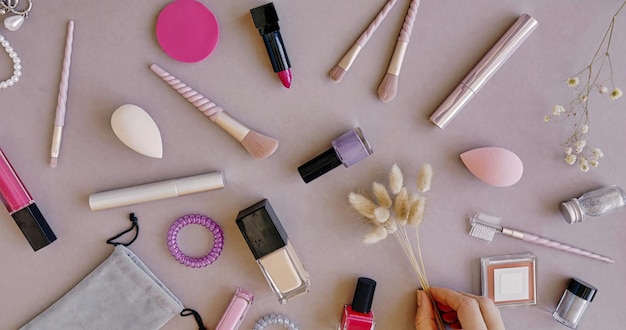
(495, 166)
(137, 130)
(187, 31)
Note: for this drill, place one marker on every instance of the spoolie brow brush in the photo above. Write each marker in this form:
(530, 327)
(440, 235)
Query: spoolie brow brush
(484, 226)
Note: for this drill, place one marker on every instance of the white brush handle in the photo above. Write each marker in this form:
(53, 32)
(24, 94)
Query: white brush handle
(531, 238)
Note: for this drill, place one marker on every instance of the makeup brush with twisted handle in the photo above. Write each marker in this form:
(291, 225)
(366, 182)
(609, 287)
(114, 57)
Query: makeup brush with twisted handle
(389, 86)
(258, 145)
(337, 73)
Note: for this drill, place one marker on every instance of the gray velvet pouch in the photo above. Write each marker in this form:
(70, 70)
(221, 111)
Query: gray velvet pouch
(121, 293)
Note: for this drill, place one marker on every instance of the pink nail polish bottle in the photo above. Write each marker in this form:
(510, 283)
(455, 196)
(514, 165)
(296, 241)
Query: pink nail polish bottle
(359, 315)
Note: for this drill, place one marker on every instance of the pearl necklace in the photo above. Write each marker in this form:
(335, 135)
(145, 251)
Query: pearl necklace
(17, 64)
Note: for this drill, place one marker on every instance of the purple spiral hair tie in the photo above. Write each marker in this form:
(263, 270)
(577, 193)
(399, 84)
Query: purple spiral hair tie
(199, 219)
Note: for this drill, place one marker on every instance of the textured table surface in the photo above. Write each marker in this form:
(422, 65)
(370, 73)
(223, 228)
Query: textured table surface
(114, 44)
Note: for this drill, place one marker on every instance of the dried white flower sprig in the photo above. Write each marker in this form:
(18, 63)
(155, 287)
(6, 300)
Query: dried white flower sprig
(391, 213)
(577, 151)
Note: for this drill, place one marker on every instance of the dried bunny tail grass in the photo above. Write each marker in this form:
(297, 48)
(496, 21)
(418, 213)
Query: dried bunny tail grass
(402, 206)
(362, 204)
(414, 197)
(382, 195)
(424, 177)
(381, 214)
(391, 226)
(378, 234)
(416, 212)
(395, 179)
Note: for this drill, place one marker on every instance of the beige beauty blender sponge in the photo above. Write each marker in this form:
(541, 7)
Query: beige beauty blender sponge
(137, 130)
(495, 166)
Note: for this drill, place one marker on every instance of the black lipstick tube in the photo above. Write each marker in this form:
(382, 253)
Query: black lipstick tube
(266, 21)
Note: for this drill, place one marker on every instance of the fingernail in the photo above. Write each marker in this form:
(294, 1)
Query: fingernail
(419, 297)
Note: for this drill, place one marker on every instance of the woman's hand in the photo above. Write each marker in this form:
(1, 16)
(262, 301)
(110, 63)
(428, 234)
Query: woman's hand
(460, 310)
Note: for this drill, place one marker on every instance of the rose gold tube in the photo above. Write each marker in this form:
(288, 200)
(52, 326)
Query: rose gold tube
(484, 70)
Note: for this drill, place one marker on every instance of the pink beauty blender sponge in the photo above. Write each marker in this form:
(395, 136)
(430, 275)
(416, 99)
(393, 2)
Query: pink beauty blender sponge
(496, 166)
(187, 31)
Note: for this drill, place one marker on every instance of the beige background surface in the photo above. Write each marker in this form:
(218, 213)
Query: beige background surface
(114, 45)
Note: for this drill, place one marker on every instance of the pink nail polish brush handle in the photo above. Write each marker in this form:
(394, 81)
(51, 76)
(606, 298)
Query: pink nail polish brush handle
(531, 238)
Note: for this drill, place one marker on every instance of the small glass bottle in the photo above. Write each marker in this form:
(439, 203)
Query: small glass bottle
(594, 203)
(273, 251)
(574, 302)
(359, 315)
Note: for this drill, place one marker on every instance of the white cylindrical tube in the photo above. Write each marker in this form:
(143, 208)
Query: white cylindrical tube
(155, 191)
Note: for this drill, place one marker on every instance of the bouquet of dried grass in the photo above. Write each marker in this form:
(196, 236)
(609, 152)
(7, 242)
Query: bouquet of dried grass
(392, 213)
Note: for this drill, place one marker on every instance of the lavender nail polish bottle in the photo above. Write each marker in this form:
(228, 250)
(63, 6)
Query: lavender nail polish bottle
(348, 149)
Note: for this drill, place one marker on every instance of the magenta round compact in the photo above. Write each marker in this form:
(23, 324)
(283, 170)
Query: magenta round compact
(187, 31)
(180, 223)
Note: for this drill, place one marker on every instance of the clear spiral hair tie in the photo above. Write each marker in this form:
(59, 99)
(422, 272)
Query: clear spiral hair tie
(180, 223)
(275, 319)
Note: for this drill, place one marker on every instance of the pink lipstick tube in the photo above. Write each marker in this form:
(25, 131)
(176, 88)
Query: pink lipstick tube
(236, 310)
(22, 207)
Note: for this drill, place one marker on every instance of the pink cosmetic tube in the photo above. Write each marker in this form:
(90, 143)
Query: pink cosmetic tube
(236, 310)
(22, 207)
(484, 70)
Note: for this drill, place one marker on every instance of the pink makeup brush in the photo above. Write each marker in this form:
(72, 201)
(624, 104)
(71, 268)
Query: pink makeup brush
(337, 73)
(484, 226)
(389, 86)
(258, 145)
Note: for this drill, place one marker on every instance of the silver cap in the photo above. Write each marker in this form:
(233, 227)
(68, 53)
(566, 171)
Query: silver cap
(571, 211)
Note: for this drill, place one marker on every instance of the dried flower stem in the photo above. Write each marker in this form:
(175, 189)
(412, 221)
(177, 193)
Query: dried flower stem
(576, 148)
(391, 217)
(418, 265)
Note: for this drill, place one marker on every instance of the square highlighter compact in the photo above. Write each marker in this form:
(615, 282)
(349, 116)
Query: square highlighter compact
(510, 280)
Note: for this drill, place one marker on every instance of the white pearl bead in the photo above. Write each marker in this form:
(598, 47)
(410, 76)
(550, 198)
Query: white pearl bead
(17, 66)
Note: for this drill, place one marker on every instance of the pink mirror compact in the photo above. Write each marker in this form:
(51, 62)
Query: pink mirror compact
(187, 31)
(510, 280)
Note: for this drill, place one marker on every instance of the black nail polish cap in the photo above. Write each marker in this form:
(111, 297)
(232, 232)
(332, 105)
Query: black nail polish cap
(363, 295)
(261, 229)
